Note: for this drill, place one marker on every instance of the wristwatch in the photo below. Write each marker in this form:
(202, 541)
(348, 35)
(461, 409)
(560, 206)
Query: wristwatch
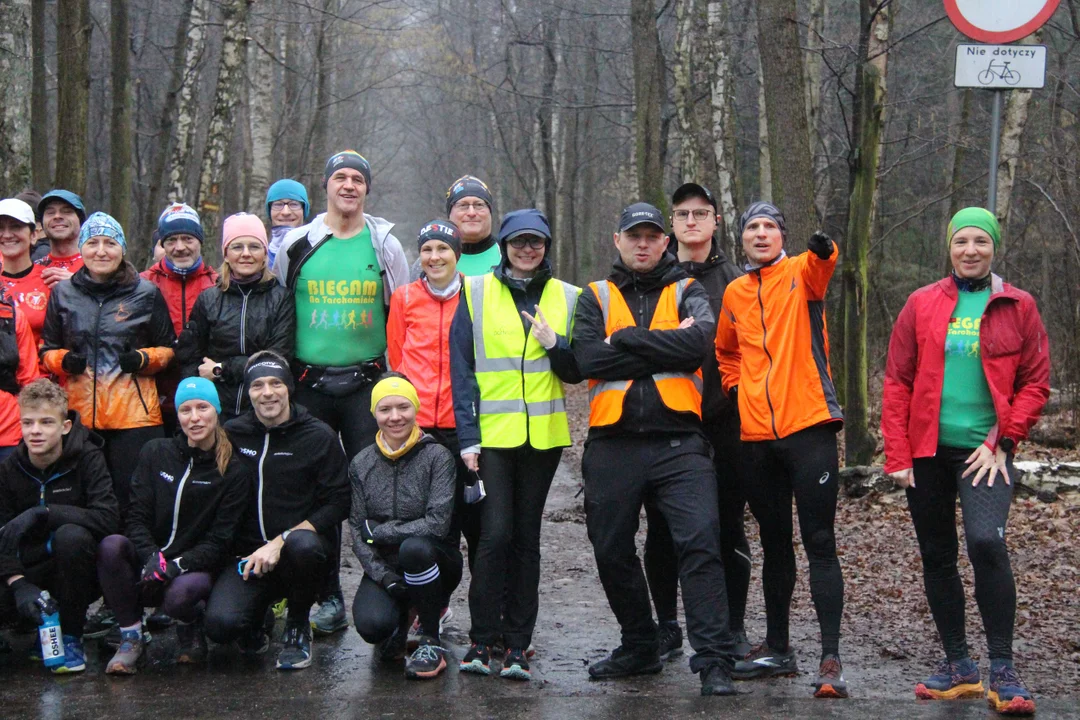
(217, 370)
(1007, 444)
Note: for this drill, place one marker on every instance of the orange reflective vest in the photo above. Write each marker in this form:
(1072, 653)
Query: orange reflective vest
(680, 392)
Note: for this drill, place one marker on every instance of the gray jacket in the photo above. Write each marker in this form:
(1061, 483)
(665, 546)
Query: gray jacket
(388, 251)
(412, 496)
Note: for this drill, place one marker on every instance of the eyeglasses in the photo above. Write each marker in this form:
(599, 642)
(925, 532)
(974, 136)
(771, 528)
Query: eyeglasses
(533, 241)
(477, 207)
(279, 205)
(700, 214)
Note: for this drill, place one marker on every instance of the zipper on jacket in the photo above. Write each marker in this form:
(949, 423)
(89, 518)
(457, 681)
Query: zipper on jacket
(243, 344)
(176, 505)
(438, 384)
(183, 302)
(97, 347)
(765, 347)
(262, 459)
(642, 307)
(394, 504)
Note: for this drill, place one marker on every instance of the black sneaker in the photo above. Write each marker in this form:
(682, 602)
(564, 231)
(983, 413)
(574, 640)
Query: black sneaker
(427, 661)
(158, 621)
(763, 661)
(830, 681)
(392, 649)
(624, 663)
(716, 680)
(191, 643)
(254, 642)
(670, 639)
(99, 624)
(742, 644)
(515, 665)
(296, 653)
(477, 660)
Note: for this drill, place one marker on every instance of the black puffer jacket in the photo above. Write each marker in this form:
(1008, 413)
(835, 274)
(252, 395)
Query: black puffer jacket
(231, 325)
(412, 496)
(183, 507)
(77, 489)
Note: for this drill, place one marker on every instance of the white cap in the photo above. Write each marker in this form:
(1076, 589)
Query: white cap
(15, 208)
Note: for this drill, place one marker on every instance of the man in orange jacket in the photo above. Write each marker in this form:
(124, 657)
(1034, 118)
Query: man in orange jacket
(772, 346)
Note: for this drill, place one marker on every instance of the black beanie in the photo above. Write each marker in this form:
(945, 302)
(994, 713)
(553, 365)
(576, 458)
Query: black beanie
(467, 186)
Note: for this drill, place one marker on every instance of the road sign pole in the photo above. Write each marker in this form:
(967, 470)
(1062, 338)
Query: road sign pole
(995, 150)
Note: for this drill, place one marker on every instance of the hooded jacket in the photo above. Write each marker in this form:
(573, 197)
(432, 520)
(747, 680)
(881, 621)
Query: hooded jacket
(637, 353)
(77, 489)
(300, 473)
(301, 243)
(100, 321)
(412, 496)
(230, 326)
(183, 507)
(180, 291)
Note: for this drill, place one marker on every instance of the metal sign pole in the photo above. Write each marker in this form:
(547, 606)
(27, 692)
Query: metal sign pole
(995, 150)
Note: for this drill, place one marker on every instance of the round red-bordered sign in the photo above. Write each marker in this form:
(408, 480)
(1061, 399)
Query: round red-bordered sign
(982, 19)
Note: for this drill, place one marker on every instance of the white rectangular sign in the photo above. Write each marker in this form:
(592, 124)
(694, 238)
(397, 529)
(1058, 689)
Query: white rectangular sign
(1000, 67)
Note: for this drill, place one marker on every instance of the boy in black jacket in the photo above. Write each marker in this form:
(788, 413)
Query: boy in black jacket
(56, 503)
(299, 497)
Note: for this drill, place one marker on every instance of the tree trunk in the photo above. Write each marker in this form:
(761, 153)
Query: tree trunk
(649, 95)
(818, 152)
(685, 102)
(316, 150)
(870, 88)
(120, 135)
(291, 58)
(765, 187)
(261, 113)
(187, 105)
(586, 209)
(546, 118)
(220, 135)
(74, 26)
(959, 153)
(721, 91)
(16, 77)
(39, 101)
(1012, 132)
(789, 146)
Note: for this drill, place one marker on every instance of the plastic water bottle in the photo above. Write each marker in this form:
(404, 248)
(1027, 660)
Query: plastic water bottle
(52, 641)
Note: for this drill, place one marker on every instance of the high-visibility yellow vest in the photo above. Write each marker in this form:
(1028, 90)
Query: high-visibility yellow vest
(521, 399)
(680, 392)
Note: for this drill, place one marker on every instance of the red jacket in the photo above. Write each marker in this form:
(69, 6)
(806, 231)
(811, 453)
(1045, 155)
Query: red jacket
(25, 373)
(418, 345)
(180, 291)
(1015, 357)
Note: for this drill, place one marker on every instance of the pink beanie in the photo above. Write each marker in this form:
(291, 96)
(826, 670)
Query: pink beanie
(242, 225)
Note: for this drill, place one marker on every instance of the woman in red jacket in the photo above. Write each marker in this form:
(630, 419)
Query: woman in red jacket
(967, 376)
(418, 346)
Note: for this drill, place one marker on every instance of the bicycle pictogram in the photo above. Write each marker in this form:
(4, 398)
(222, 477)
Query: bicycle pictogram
(999, 69)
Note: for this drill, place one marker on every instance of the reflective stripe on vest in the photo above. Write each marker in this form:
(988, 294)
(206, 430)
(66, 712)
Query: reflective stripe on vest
(680, 392)
(521, 399)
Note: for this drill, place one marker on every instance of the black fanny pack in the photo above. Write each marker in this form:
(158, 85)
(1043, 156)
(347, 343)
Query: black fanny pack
(338, 382)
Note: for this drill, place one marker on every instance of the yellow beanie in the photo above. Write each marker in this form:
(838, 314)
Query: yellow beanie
(394, 386)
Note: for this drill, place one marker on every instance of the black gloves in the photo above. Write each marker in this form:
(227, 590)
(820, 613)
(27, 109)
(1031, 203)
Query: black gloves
(158, 569)
(820, 245)
(12, 532)
(366, 531)
(132, 361)
(73, 363)
(733, 395)
(395, 585)
(28, 600)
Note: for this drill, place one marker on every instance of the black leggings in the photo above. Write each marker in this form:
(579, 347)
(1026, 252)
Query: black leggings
(661, 560)
(122, 455)
(985, 509)
(431, 569)
(804, 464)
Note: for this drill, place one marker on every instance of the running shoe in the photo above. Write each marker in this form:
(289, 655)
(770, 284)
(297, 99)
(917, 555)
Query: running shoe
(392, 649)
(624, 663)
(158, 620)
(716, 680)
(952, 681)
(191, 642)
(126, 659)
(296, 653)
(742, 644)
(764, 661)
(670, 639)
(499, 648)
(1008, 695)
(99, 624)
(112, 637)
(74, 656)
(427, 661)
(830, 681)
(477, 660)
(330, 617)
(515, 665)
(254, 642)
(416, 632)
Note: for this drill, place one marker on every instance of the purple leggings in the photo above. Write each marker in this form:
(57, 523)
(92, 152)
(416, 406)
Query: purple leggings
(118, 572)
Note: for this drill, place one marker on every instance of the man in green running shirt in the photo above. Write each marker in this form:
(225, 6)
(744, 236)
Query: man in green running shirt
(342, 268)
(469, 207)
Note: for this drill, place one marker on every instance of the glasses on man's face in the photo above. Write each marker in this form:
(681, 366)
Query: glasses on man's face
(279, 205)
(533, 241)
(476, 207)
(700, 214)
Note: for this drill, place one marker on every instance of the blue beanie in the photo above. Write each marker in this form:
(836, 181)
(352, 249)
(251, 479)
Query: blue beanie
(288, 190)
(65, 196)
(102, 224)
(197, 388)
(179, 219)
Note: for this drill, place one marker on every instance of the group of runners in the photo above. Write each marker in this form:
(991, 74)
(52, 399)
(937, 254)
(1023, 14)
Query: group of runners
(190, 441)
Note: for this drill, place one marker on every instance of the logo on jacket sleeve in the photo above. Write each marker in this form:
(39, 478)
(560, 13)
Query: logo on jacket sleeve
(166, 476)
(249, 452)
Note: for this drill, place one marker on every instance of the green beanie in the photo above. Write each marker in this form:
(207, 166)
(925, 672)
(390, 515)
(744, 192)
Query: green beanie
(976, 217)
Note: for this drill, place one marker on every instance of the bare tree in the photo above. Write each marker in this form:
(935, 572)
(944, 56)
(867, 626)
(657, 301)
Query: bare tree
(120, 143)
(261, 112)
(721, 94)
(15, 82)
(649, 91)
(186, 106)
(683, 69)
(73, 30)
(39, 100)
(1012, 133)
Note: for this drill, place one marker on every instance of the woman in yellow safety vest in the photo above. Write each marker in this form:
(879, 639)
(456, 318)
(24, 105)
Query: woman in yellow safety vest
(509, 357)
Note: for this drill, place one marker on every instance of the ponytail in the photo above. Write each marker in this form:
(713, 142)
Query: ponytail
(223, 450)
